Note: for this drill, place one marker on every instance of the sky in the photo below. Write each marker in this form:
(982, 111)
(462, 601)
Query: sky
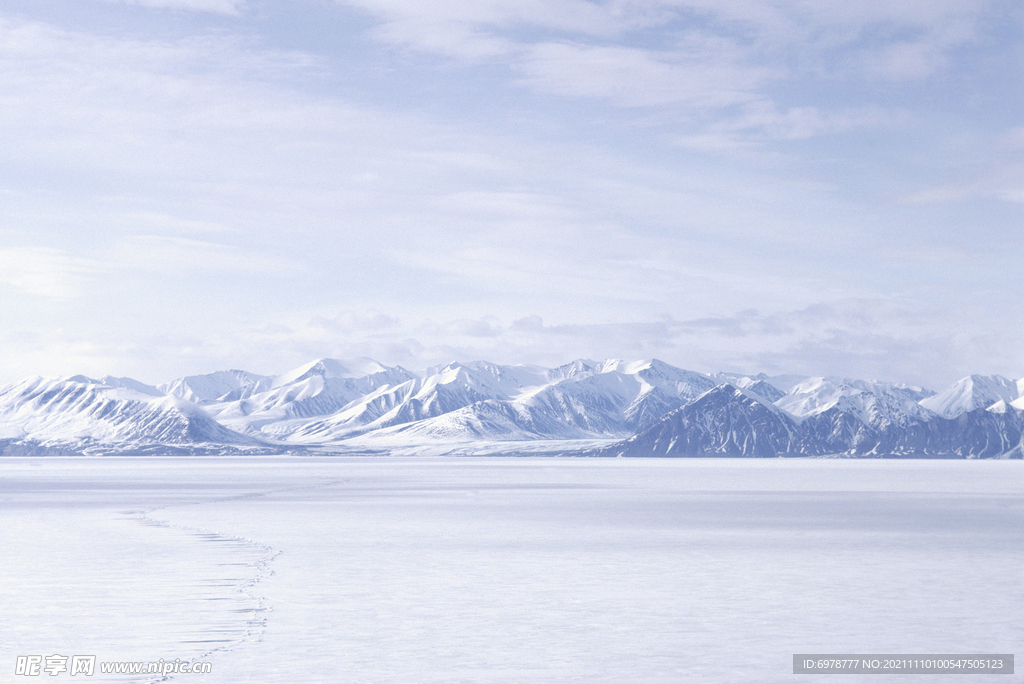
(815, 187)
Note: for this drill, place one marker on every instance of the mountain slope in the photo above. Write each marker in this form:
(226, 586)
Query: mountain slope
(227, 385)
(442, 391)
(725, 421)
(972, 393)
(84, 415)
(875, 403)
(728, 421)
(302, 395)
(652, 408)
(581, 399)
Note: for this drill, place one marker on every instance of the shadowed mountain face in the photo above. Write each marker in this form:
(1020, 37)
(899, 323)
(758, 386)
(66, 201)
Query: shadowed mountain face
(639, 408)
(725, 421)
(731, 422)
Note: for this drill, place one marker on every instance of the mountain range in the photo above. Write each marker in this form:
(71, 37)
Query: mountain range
(608, 408)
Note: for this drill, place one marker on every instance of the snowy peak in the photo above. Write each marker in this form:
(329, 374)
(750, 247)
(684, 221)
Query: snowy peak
(972, 393)
(324, 368)
(815, 395)
(334, 369)
(765, 390)
(101, 417)
(874, 403)
(483, 379)
(729, 421)
(683, 384)
(611, 397)
(656, 408)
(754, 400)
(129, 383)
(760, 384)
(229, 385)
(783, 383)
(578, 400)
(724, 421)
(577, 368)
(310, 392)
(409, 399)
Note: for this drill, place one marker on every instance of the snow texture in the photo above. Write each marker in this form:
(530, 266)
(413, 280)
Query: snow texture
(504, 571)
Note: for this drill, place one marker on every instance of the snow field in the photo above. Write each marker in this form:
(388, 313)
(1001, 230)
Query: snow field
(509, 570)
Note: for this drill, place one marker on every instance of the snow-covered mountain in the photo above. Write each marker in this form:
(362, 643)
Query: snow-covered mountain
(637, 408)
(442, 391)
(823, 416)
(724, 421)
(127, 383)
(289, 401)
(874, 403)
(229, 385)
(972, 393)
(484, 401)
(82, 415)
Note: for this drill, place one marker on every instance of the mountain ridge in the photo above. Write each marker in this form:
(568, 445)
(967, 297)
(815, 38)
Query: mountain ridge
(633, 408)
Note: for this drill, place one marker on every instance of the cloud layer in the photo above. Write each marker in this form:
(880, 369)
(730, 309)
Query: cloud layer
(196, 183)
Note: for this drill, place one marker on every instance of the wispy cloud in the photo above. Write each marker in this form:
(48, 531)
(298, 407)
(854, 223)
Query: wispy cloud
(1000, 180)
(48, 272)
(940, 194)
(486, 28)
(701, 77)
(519, 181)
(889, 40)
(798, 123)
(154, 253)
(216, 6)
(855, 338)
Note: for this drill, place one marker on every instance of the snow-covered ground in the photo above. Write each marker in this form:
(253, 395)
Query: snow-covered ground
(505, 570)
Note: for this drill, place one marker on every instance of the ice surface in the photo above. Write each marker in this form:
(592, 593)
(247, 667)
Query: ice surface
(506, 569)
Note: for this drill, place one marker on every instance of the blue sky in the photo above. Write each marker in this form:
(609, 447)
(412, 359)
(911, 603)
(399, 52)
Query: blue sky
(748, 185)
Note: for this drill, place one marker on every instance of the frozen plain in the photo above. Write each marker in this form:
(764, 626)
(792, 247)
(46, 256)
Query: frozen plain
(284, 569)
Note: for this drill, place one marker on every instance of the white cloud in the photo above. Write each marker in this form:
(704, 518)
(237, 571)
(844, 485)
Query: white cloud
(76, 101)
(906, 60)
(700, 78)
(764, 120)
(715, 142)
(245, 205)
(1000, 180)
(939, 195)
(169, 224)
(771, 29)
(1012, 194)
(354, 322)
(475, 30)
(47, 272)
(216, 6)
(154, 253)
(416, 22)
(864, 338)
